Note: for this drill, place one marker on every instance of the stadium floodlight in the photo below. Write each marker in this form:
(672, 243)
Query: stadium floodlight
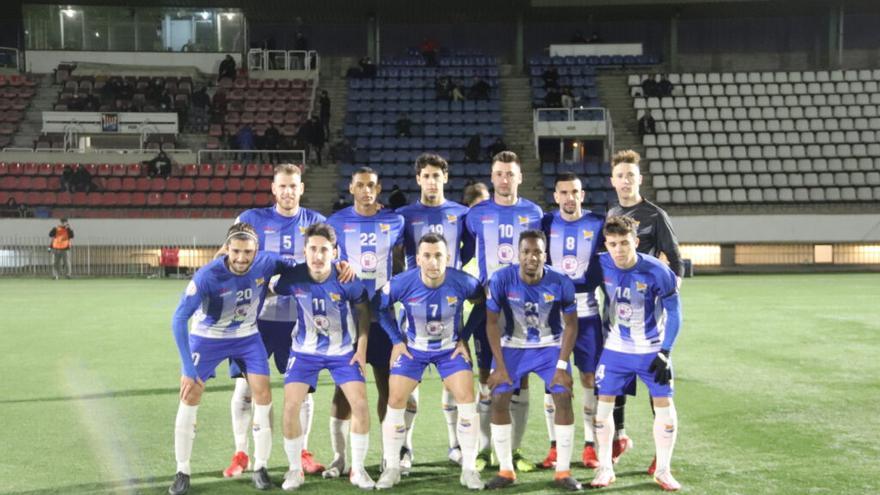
(204, 15)
(69, 12)
(229, 16)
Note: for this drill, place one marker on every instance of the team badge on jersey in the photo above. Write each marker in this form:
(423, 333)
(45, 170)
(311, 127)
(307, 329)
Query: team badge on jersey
(384, 227)
(369, 261)
(302, 230)
(451, 300)
(549, 298)
(588, 234)
(641, 286)
(260, 281)
(570, 264)
(451, 218)
(435, 328)
(624, 312)
(523, 220)
(335, 297)
(505, 253)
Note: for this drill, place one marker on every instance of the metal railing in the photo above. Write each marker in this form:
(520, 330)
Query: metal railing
(270, 60)
(575, 114)
(11, 58)
(252, 156)
(104, 257)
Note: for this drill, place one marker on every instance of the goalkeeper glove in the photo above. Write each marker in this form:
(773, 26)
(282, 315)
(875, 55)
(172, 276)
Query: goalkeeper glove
(661, 366)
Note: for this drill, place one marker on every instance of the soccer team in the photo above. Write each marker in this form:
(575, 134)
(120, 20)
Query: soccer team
(386, 288)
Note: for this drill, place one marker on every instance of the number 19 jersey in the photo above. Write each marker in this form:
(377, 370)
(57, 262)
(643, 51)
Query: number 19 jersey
(367, 243)
(496, 230)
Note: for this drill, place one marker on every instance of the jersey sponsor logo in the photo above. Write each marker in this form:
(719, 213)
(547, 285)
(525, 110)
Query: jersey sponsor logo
(240, 313)
(191, 288)
(322, 324)
(513, 296)
(588, 234)
(435, 328)
(414, 300)
(369, 261)
(349, 228)
(451, 300)
(297, 292)
(417, 221)
(487, 219)
(451, 218)
(549, 298)
(624, 311)
(505, 253)
(224, 291)
(641, 286)
(570, 264)
(269, 230)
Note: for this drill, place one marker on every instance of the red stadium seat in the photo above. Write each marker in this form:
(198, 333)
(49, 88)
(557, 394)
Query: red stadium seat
(190, 170)
(4, 168)
(172, 184)
(128, 184)
(138, 198)
(218, 184)
(199, 199)
(249, 184)
(123, 199)
(15, 169)
(80, 199)
(53, 183)
(58, 168)
(8, 182)
(206, 170)
(105, 169)
(157, 184)
(214, 199)
(39, 183)
(30, 169)
(24, 183)
(263, 199)
(45, 169)
(91, 167)
(267, 170)
(63, 199)
(236, 170)
(32, 198)
(221, 170)
(245, 200)
(203, 184)
(264, 185)
(113, 184)
(133, 170)
(252, 170)
(169, 199)
(187, 184)
(183, 199)
(233, 184)
(154, 199)
(118, 170)
(48, 198)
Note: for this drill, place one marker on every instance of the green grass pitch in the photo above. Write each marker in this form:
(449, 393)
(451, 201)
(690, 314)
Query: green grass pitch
(777, 392)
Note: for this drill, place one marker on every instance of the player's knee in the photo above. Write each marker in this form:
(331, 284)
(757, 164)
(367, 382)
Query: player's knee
(588, 380)
(562, 402)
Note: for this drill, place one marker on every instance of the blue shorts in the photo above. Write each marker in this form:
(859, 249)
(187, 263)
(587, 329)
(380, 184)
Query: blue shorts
(277, 337)
(617, 369)
(588, 345)
(520, 362)
(304, 368)
(378, 347)
(476, 325)
(442, 360)
(248, 353)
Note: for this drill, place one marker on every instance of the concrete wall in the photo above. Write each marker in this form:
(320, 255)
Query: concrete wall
(726, 229)
(45, 61)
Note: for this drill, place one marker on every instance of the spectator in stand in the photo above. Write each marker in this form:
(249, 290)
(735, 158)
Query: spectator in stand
(315, 137)
(553, 98)
(550, 77)
(82, 180)
(166, 102)
(479, 89)
(271, 140)
(497, 147)
(397, 198)
(227, 68)
(664, 86)
(200, 99)
(567, 99)
(368, 68)
(300, 42)
(649, 87)
(160, 165)
(455, 92)
(647, 124)
(429, 49)
(473, 150)
(67, 179)
(443, 87)
(578, 37)
(324, 112)
(403, 126)
(245, 138)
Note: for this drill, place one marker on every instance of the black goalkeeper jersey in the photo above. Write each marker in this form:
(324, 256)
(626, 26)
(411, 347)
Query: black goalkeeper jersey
(655, 232)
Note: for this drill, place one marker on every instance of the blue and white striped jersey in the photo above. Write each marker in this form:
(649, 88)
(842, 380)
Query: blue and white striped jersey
(496, 230)
(282, 235)
(224, 305)
(572, 249)
(326, 321)
(634, 301)
(431, 319)
(532, 313)
(447, 219)
(367, 243)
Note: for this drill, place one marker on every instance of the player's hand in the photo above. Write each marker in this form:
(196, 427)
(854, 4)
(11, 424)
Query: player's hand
(346, 272)
(188, 385)
(461, 348)
(562, 378)
(498, 377)
(397, 351)
(360, 357)
(661, 366)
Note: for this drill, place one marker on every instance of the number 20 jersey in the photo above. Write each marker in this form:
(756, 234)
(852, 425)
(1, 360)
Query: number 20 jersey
(282, 235)
(496, 230)
(367, 243)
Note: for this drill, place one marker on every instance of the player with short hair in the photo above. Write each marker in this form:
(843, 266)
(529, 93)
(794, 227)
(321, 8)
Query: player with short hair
(655, 237)
(644, 312)
(540, 327)
(369, 238)
(433, 213)
(431, 332)
(224, 298)
(279, 230)
(327, 337)
(574, 236)
(495, 225)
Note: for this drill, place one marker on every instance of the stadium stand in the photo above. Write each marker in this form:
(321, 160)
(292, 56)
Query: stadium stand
(405, 86)
(765, 137)
(16, 92)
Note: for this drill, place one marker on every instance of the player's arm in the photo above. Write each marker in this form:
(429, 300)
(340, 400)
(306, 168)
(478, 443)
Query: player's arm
(362, 310)
(188, 305)
(661, 366)
(667, 243)
(569, 335)
(69, 233)
(52, 232)
(493, 333)
(398, 259)
(385, 299)
(468, 245)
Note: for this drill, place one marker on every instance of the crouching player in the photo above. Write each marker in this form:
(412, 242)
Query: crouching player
(326, 337)
(540, 328)
(225, 296)
(433, 301)
(644, 312)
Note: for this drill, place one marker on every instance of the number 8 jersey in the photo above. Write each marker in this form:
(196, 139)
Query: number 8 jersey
(496, 229)
(367, 243)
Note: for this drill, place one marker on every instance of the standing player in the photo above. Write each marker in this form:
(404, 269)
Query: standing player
(224, 296)
(326, 338)
(641, 298)
(495, 225)
(369, 238)
(279, 230)
(433, 213)
(655, 236)
(574, 235)
(433, 297)
(540, 327)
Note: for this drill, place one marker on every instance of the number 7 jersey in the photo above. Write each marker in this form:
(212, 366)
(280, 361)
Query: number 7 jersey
(367, 243)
